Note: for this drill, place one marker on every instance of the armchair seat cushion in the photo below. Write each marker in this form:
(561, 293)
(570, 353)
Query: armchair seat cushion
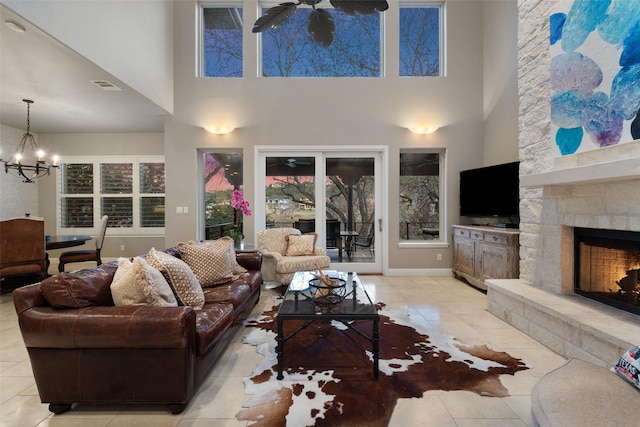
(302, 263)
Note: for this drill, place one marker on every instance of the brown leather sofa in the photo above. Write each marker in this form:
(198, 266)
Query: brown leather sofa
(101, 353)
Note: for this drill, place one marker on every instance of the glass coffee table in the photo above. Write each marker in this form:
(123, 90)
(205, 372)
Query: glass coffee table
(307, 299)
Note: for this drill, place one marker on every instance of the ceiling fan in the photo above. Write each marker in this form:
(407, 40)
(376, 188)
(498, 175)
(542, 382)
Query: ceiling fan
(292, 163)
(321, 24)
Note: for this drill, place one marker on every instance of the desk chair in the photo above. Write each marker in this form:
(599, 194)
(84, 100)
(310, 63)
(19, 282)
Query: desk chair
(88, 255)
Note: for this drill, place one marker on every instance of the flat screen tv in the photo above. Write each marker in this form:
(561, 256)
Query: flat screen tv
(492, 191)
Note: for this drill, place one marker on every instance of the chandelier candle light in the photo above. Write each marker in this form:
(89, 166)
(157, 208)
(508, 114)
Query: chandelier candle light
(34, 167)
(240, 206)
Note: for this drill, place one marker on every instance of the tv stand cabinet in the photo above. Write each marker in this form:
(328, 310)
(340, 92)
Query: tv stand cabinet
(481, 253)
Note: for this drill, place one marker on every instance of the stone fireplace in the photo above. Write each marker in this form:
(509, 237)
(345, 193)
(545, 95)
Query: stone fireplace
(607, 263)
(596, 189)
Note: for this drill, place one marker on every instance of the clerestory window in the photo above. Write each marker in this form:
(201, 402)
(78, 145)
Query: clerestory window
(420, 40)
(221, 40)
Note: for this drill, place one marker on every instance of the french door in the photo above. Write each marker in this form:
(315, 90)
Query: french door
(334, 193)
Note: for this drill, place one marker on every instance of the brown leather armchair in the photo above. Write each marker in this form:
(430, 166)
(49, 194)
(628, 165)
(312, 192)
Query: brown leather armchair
(22, 247)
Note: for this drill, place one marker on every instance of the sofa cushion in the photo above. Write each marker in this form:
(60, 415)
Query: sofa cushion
(235, 294)
(301, 245)
(211, 322)
(137, 283)
(183, 282)
(82, 288)
(212, 262)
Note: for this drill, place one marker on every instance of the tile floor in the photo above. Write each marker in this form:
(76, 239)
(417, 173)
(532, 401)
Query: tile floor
(447, 303)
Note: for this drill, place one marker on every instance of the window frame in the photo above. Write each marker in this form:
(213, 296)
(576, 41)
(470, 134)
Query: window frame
(261, 5)
(441, 5)
(442, 240)
(97, 196)
(200, 60)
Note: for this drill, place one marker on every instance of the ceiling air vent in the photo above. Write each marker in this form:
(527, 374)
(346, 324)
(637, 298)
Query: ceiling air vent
(105, 85)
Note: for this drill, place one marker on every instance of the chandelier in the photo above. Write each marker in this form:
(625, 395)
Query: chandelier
(29, 168)
(321, 24)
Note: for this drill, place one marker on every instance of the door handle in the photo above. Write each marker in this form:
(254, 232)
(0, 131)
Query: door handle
(380, 224)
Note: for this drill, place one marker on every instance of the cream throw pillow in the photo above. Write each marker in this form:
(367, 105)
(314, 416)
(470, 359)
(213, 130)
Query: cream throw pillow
(182, 280)
(137, 283)
(211, 262)
(301, 245)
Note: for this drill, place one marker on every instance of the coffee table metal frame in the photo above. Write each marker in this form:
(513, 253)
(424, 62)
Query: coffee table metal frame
(298, 304)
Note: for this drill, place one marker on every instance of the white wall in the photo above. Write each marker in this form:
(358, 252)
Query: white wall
(96, 144)
(132, 40)
(500, 96)
(328, 112)
(16, 197)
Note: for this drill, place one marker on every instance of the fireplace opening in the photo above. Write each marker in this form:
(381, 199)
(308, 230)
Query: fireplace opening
(607, 267)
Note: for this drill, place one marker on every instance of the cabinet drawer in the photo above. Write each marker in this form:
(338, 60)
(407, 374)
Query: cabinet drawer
(462, 233)
(477, 235)
(495, 238)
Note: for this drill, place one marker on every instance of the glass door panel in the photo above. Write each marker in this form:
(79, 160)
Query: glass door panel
(290, 199)
(350, 209)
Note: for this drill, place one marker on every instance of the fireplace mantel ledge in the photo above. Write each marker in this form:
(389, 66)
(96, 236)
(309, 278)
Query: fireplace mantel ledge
(617, 170)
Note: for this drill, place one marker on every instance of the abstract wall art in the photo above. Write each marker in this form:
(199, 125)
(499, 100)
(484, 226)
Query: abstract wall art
(595, 74)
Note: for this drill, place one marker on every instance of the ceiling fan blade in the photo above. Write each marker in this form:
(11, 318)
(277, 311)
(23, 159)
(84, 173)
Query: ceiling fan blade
(274, 17)
(364, 7)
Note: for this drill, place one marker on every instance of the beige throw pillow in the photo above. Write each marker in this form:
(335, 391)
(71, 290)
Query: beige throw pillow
(182, 280)
(137, 283)
(301, 245)
(211, 262)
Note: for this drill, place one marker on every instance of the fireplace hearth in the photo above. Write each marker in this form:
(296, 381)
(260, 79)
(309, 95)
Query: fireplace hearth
(607, 267)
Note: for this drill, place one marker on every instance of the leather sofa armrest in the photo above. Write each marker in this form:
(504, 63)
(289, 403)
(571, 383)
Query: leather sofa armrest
(108, 327)
(249, 260)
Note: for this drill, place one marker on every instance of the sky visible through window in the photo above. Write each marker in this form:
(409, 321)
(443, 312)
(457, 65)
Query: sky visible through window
(420, 41)
(290, 51)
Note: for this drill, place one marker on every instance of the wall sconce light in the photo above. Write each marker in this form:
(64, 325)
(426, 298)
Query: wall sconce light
(220, 129)
(422, 129)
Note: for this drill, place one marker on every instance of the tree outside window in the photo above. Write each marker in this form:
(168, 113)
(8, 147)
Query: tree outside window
(420, 38)
(222, 175)
(290, 51)
(419, 195)
(222, 41)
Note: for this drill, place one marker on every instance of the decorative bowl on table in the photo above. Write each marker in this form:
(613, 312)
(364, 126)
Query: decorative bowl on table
(326, 295)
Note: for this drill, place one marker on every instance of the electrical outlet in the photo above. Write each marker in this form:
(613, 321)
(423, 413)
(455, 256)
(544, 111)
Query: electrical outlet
(439, 257)
(122, 247)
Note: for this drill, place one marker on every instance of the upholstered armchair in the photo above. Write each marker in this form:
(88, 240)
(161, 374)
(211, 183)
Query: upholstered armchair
(22, 247)
(287, 250)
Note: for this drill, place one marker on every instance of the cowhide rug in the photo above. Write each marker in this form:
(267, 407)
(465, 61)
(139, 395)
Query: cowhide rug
(328, 370)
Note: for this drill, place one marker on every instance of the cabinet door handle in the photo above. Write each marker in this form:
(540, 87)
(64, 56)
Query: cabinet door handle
(475, 235)
(495, 238)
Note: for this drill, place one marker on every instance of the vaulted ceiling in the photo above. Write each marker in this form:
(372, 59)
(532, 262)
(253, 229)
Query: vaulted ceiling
(35, 66)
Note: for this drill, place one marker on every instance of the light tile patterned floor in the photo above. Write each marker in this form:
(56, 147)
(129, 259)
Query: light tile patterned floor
(452, 306)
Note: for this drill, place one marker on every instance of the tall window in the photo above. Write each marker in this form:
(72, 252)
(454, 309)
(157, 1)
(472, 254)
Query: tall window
(420, 41)
(222, 175)
(221, 41)
(420, 190)
(129, 190)
(290, 51)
